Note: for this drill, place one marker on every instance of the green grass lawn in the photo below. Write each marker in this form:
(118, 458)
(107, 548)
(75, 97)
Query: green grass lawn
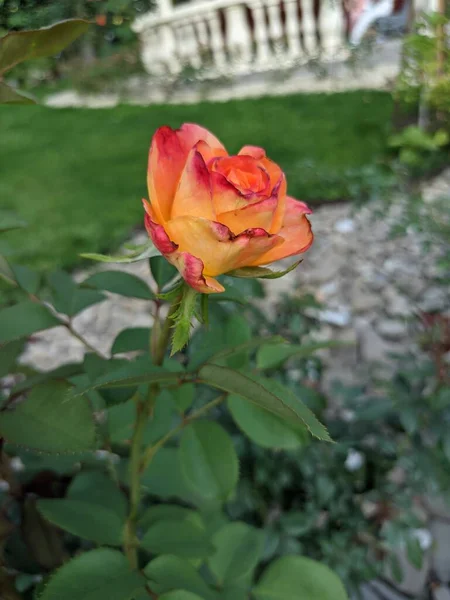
(77, 176)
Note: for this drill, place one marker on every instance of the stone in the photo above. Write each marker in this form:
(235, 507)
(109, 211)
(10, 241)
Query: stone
(340, 317)
(441, 593)
(441, 549)
(392, 329)
(345, 226)
(363, 299)
(434, 299)
(437, 506)
(396, 305)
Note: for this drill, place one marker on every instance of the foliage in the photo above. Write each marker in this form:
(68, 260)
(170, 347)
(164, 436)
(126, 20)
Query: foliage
(333, 140)
(414, 144)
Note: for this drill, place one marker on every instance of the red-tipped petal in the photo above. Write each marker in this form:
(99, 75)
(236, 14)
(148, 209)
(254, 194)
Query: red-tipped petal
(215, 245)
(194, 194)
(296, 232)
(254, 151)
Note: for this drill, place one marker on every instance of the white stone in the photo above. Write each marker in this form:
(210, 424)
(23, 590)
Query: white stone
(441, 549)
(396, 304)
(354, 461)
(441, 593)
(392, 329)
(340, 317)
(345, 226)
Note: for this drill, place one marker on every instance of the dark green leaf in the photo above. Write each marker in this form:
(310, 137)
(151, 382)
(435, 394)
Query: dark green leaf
(169, 573)
(130, 340)
(209, 461)
(171, 512)
(294, 577)
(26, 278)
(101, 574)
(8, 355)
(180, 538)
(120, 282)
(263, 428)
(96, 487)
(414, 552)
(265, 393)
(238, 551)
(84, 519)
(68, 298)
(23, 319)
(163, 272)
(272, 356)
(48, 420)
(180, 595)
(9, 95)
(164, 477)
(64, 372)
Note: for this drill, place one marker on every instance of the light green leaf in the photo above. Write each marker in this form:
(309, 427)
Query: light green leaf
(9, 95)
(209, 461)
(132, 339)
(84, 519)
(26, 278)
(23, 319)
(238, 551)
(143, 252)
(265, 393)
(101, 574)
(180, 538)
(414, 552)
(48, 420)
(18, 46)
(180, 595)
(182, 319)
(96, 487)
(169, 573)
(263, 428)
(295, 577)
(66, 372)
(262, 272)
(166, 512)
(120, 282)
(272, 356)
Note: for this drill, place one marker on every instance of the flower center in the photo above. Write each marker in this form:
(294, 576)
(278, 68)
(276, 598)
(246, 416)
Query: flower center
(244, 173)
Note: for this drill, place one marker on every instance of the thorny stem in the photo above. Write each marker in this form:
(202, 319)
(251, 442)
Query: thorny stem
(159, 341)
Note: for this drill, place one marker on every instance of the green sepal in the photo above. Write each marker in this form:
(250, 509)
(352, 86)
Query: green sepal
(262, 272)
(182, 318)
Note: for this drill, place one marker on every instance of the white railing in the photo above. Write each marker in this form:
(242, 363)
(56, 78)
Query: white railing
(231, 37)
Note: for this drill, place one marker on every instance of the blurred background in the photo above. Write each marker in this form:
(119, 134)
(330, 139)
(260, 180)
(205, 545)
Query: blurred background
(352, 99)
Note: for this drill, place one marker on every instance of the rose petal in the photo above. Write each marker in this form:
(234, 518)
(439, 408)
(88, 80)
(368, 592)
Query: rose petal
(194, 193)
(189, 266)
(254, 151)
(215, 245)
(168, 154)
(296, 232)
(244, 173)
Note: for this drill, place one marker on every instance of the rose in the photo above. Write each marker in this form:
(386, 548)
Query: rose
(210, 213)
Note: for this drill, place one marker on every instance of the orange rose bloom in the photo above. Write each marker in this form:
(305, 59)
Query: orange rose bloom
(210, 213)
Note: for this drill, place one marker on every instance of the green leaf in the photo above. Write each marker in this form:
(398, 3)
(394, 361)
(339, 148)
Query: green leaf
(101, 574)
(84, 519)
(8, 355)
(263, 428)
(414, 552)
(146, 251)
(26, 278)
(171, 512)
(18, 46)
(96, 487)
(97, 367)
(48, 420)
(163, 272)
(23, 319)
(169, 573)
(209, 461)
(294, 577)
(9, 95)
(267, 394)
(180, 595)
(132, 339)
(64, 372)
(272, 356)
(180, 538)
(67, 297)
(237, 332)
(229, 352)
(164, 478)
(238, 551)
(120, 282)
(262, 272)
(135, 373)
(9, 221)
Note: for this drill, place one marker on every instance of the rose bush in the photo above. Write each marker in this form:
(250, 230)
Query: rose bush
(211, 213)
